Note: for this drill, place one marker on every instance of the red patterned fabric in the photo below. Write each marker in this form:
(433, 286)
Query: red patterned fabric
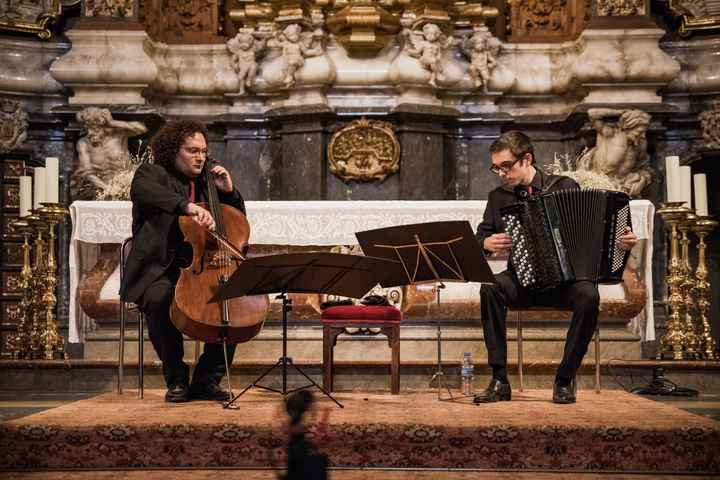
(361, 314)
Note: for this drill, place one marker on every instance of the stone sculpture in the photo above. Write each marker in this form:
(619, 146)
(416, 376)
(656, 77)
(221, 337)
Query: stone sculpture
(244, 50)
(296, 46)
(620, 150)
(428, 48)
(482, 49)
(102, 151)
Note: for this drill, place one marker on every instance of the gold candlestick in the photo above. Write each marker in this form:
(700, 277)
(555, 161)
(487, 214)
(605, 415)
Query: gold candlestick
(36, 282)
(53, 342)
(673, 341)
(688, 320)
(706, 344)
(20, 343)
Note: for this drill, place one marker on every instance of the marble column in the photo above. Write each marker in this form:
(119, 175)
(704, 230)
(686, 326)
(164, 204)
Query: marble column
(303, 140)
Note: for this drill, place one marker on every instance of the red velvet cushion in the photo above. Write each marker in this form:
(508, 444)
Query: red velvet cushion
(361, 314)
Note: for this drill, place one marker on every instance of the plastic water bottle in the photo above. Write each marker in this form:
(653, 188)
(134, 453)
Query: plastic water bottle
(467, 373)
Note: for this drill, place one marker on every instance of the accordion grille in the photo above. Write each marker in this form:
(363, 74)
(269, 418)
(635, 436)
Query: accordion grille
(622, 221)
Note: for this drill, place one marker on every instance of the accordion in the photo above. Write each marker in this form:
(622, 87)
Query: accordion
(568, 235)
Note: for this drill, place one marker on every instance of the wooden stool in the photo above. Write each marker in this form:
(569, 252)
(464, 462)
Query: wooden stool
(337, 320)
(518, 317)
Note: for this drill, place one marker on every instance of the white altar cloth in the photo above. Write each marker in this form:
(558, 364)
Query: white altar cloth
(318, 223)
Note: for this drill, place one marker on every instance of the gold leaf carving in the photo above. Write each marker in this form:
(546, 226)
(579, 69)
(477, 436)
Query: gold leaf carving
(364, 150)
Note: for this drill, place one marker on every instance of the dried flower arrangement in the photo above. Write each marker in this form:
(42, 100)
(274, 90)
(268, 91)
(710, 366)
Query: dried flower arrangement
(585, 178)
(118, 185)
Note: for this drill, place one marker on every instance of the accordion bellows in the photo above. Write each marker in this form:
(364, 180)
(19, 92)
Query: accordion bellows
(566, 236)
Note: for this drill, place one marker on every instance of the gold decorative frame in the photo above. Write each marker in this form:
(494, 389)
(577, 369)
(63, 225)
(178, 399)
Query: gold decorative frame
(689, 21)
(38, 18)
(364, 150)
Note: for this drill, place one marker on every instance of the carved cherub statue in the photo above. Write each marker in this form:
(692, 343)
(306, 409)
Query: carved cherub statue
(244, 50)
(620, 150)
(296, 47)
(482, 49)
(428, 48)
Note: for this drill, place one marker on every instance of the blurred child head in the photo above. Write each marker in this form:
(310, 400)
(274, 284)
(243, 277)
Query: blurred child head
(297, 404)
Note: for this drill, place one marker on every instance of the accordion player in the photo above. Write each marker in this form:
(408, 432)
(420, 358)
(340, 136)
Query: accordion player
(568, 235)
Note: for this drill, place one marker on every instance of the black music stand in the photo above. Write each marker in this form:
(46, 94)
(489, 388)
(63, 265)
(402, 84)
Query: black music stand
(434, 252)
(314, 272)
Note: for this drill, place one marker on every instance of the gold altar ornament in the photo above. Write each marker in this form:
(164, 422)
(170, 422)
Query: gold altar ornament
(674, 341)
(364, 150)
(30, 17)
(695, 15)
(706, 344)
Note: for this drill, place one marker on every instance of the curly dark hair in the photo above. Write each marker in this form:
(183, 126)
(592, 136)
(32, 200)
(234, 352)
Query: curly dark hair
(166, 142)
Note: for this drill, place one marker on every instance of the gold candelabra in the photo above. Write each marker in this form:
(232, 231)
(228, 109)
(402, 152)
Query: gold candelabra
(52, 341)
(692, 341)
(20, 343)
(38, 336)
(706, 344)
(674, 340)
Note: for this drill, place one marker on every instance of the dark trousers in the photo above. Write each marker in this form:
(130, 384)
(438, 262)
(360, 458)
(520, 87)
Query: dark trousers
(168, 341)
(582, 297)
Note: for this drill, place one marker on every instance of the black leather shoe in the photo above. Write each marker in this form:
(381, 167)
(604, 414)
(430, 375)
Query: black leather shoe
(564, 394)
(495, 392)
(211, 391)
(178, 393)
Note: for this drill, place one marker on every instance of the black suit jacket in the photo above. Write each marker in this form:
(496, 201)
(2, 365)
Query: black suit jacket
(159, 197)
(503, 196)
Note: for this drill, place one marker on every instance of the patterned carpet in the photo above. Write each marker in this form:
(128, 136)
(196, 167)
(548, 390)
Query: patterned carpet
(613, 431)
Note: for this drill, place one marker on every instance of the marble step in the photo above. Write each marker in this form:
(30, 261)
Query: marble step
(102, 376)
(418, 344)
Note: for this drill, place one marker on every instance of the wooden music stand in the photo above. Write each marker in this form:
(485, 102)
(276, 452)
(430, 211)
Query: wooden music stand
(434, 252)
(314, 272)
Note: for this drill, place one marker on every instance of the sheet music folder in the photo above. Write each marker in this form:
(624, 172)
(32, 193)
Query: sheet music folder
(428, 252)
(313, 272)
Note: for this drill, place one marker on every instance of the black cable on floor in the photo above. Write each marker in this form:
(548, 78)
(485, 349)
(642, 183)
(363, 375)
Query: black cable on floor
(659, 385)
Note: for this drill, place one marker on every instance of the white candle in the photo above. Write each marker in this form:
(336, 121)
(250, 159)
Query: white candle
(39, 190)
(685, 185)
(25, 195)
(52, 179)
(701, 206)
(672, 169)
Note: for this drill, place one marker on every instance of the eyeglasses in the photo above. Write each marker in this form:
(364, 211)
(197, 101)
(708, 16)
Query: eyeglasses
(196, 151)
(504, 167)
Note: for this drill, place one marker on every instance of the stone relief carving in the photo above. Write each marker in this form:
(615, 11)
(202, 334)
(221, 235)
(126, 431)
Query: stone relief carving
(544, 15)
(364, 150)
(710, 120)
(482, 50)
(428, 47)
(296, 46)
(102, 151)
(109, 8)
(620, 150)
(620, 8)
(245, 49)
(13, 125)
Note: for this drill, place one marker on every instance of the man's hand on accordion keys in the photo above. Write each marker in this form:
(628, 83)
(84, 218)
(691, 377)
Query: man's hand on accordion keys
(627, 240)
(497, 243)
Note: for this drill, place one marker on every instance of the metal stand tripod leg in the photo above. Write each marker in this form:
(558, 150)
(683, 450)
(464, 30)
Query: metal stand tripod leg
(283, 361)
(439, 375)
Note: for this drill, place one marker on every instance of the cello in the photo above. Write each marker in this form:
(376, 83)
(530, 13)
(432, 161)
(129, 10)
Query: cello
(216, 256)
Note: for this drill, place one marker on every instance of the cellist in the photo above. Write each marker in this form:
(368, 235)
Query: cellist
(161, 192)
